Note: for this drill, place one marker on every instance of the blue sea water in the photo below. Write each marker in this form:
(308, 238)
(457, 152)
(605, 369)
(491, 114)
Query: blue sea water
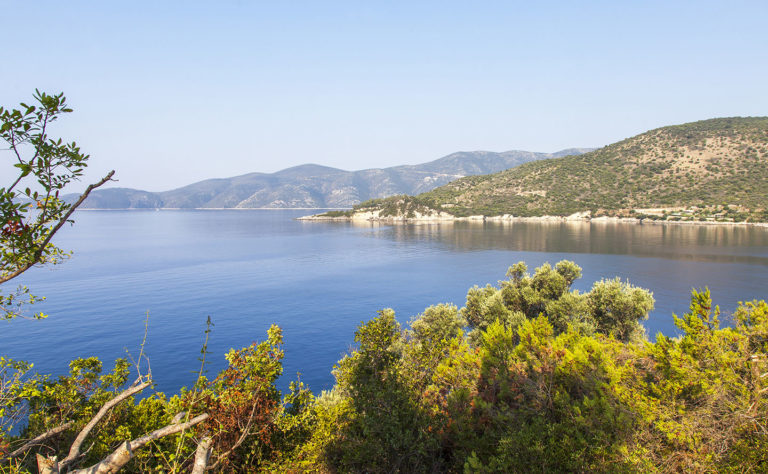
(319, 280)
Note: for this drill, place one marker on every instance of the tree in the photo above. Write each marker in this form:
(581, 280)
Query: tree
(31, 206)
(32, 212)
(437, 324)
(618, 307)
(383, 428)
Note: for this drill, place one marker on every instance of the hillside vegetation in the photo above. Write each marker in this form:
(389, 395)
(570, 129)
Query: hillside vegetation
(714, 168)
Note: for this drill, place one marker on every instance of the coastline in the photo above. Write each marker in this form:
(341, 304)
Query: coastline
(372, 216)
(442, 217)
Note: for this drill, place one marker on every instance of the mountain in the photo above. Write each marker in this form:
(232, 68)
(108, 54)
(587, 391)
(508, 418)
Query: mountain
(714, 168)
(315, 186)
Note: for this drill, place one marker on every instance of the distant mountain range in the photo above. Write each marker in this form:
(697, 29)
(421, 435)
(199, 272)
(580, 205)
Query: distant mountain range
(712, 169)
(315, 186)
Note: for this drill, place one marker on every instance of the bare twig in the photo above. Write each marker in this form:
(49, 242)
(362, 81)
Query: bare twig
(37, 440)
(196, 391)
(137, 362)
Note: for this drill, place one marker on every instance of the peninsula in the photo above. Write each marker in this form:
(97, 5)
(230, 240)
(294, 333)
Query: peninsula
(711, 171)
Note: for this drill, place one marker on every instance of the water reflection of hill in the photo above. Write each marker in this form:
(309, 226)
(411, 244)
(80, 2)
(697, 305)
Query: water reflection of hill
(681, 242)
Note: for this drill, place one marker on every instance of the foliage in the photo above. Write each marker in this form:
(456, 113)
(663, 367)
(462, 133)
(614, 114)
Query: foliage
(16, 386)
(397, 206)
(242, 401)
(545, 403)
(701, 399)
(537, 388)
(384, 428)
(436, 325)
(30, 206)
(336, 214)
(618, 307)
(547, 379)
(611, 307)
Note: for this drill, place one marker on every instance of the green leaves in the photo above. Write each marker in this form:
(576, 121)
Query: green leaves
(618, 307)
(25, 169)
(45, 167)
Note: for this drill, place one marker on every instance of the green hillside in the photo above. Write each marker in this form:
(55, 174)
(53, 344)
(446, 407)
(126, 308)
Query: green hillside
(709, 168)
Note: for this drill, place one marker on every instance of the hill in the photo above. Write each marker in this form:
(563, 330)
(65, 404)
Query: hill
(713, 169)
(313, 186)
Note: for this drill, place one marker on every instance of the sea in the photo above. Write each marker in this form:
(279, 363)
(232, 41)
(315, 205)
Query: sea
(248, 269)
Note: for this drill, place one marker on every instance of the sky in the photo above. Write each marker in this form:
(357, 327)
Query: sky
(168, 93)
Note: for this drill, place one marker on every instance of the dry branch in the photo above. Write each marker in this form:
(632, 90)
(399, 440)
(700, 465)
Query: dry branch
(120, 457)
(202, 454)
(74, 450)
(39, 439)
(47, 465)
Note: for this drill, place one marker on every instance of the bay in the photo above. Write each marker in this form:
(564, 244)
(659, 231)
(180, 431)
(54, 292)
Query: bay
(318, 280)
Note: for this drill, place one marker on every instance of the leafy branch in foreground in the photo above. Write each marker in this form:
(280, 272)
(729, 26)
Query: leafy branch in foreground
(31, 208)
(88, 422)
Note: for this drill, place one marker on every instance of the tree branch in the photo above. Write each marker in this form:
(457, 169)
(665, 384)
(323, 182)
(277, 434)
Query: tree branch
(202, 455)
(120, 457)
(47, 465)
(39, 252)
(74, 450)
(39, 439)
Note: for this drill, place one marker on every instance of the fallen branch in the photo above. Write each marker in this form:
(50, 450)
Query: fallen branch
(74, 450)
(120, 457)
(39, 439)
(47, 465)
(202, 454)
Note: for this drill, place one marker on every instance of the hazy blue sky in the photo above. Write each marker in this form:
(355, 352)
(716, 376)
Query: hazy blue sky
(169, 93)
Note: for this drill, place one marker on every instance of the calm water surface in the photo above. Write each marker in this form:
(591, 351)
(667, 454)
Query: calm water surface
(248, 269)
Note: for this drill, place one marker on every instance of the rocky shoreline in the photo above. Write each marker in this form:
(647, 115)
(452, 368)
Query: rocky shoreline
(442, 217)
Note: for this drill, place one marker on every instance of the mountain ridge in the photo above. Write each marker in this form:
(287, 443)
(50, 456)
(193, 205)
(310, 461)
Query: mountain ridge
(313, 185)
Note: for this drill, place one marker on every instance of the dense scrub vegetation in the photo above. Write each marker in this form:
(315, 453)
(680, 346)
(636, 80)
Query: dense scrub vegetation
(718, 162)
(394, 206)
(528, 376)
